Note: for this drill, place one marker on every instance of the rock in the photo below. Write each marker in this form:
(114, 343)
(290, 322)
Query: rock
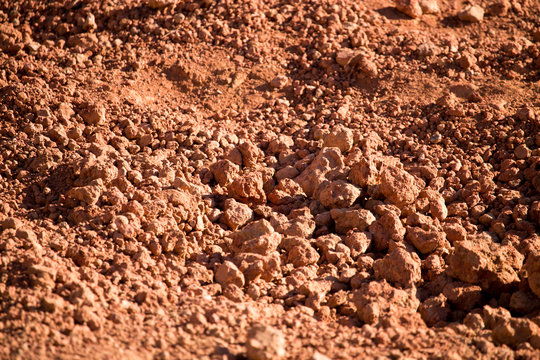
(437, 204)
(399, 187)
(160, 4)
(86, 316)
(236, 214)
(472, 13)
(65, 111)
(287, 191)
(89, 194)
(409, 7)
(367, 170)
(515, 331)
(338, 194)
(494, 316)
(265, 343)
(252, 231)
(279, 82)
(227, 273)
(455, 232)
(224, 172)
(94, 114)
(499, 8)
(262, 245)
(474, 321)
(288, 172)
(281, 143)
(465, 61)
(11, 223)
(326, 166)
(315, 291)
(378, 300)
(85, 41)
(302, 254)
(10, 38)
(351, 219)
(318, 356)
(251, 154)
(399, 266)
(58, 134)
(525, 113)
(358, 242)
(426, 241)
(522, 152)
(481, 261)
(248, 188)
(126, 227)
(430, 6)
(388, 227)
(463, 296)
(524, 302)
(332, 249)
(438, 209)
(434, 310)
(341, 137)
(346, 56)
(532, 267)
(255, 265)
(301, 226)
(52, 303)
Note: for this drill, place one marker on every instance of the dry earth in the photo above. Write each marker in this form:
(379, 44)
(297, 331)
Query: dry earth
(269, 179)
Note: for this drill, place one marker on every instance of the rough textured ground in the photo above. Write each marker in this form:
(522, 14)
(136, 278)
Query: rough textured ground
(269, 179)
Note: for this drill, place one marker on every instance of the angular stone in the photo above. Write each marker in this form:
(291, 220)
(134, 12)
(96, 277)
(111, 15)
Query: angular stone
(481, 261)
(399, 266)
(248, 188)
(325, 166)
(338, 194)
(346, 219)
(236, 214)
(398, 186)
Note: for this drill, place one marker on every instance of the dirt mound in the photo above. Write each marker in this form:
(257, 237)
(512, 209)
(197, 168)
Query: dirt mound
(265, 179)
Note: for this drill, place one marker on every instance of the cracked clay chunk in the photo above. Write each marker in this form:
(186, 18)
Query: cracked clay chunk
(398, 186)
(481, 261)
(399, 266)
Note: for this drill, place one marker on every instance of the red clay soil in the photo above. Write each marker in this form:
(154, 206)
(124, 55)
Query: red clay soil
(269, 179)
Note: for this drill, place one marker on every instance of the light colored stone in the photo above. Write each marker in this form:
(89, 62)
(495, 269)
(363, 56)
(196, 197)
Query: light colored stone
(326, 164)
(94, 114)
(430, 6)
(341, 137)
(399, 266)
(346, 219)
(248, 188)
(426, 241)
(338, 194)
(279, 82)
(224, 171)
(160, 4)
(265, 343)
(398, 186)
(228, 273)
(409, 7)
(482, 261)
(472, 13)
(236, 214)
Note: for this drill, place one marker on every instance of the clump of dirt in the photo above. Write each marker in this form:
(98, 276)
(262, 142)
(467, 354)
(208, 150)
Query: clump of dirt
(268, 180)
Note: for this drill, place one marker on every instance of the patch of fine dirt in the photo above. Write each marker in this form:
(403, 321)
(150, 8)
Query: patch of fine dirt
(269, 179)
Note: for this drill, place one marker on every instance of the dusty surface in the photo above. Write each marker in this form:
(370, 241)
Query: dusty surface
(269, 179)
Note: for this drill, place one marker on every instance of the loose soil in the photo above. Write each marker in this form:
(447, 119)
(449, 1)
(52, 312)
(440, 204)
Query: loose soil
(269, 179)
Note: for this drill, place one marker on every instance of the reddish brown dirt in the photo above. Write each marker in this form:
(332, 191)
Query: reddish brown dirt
(269, 179)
